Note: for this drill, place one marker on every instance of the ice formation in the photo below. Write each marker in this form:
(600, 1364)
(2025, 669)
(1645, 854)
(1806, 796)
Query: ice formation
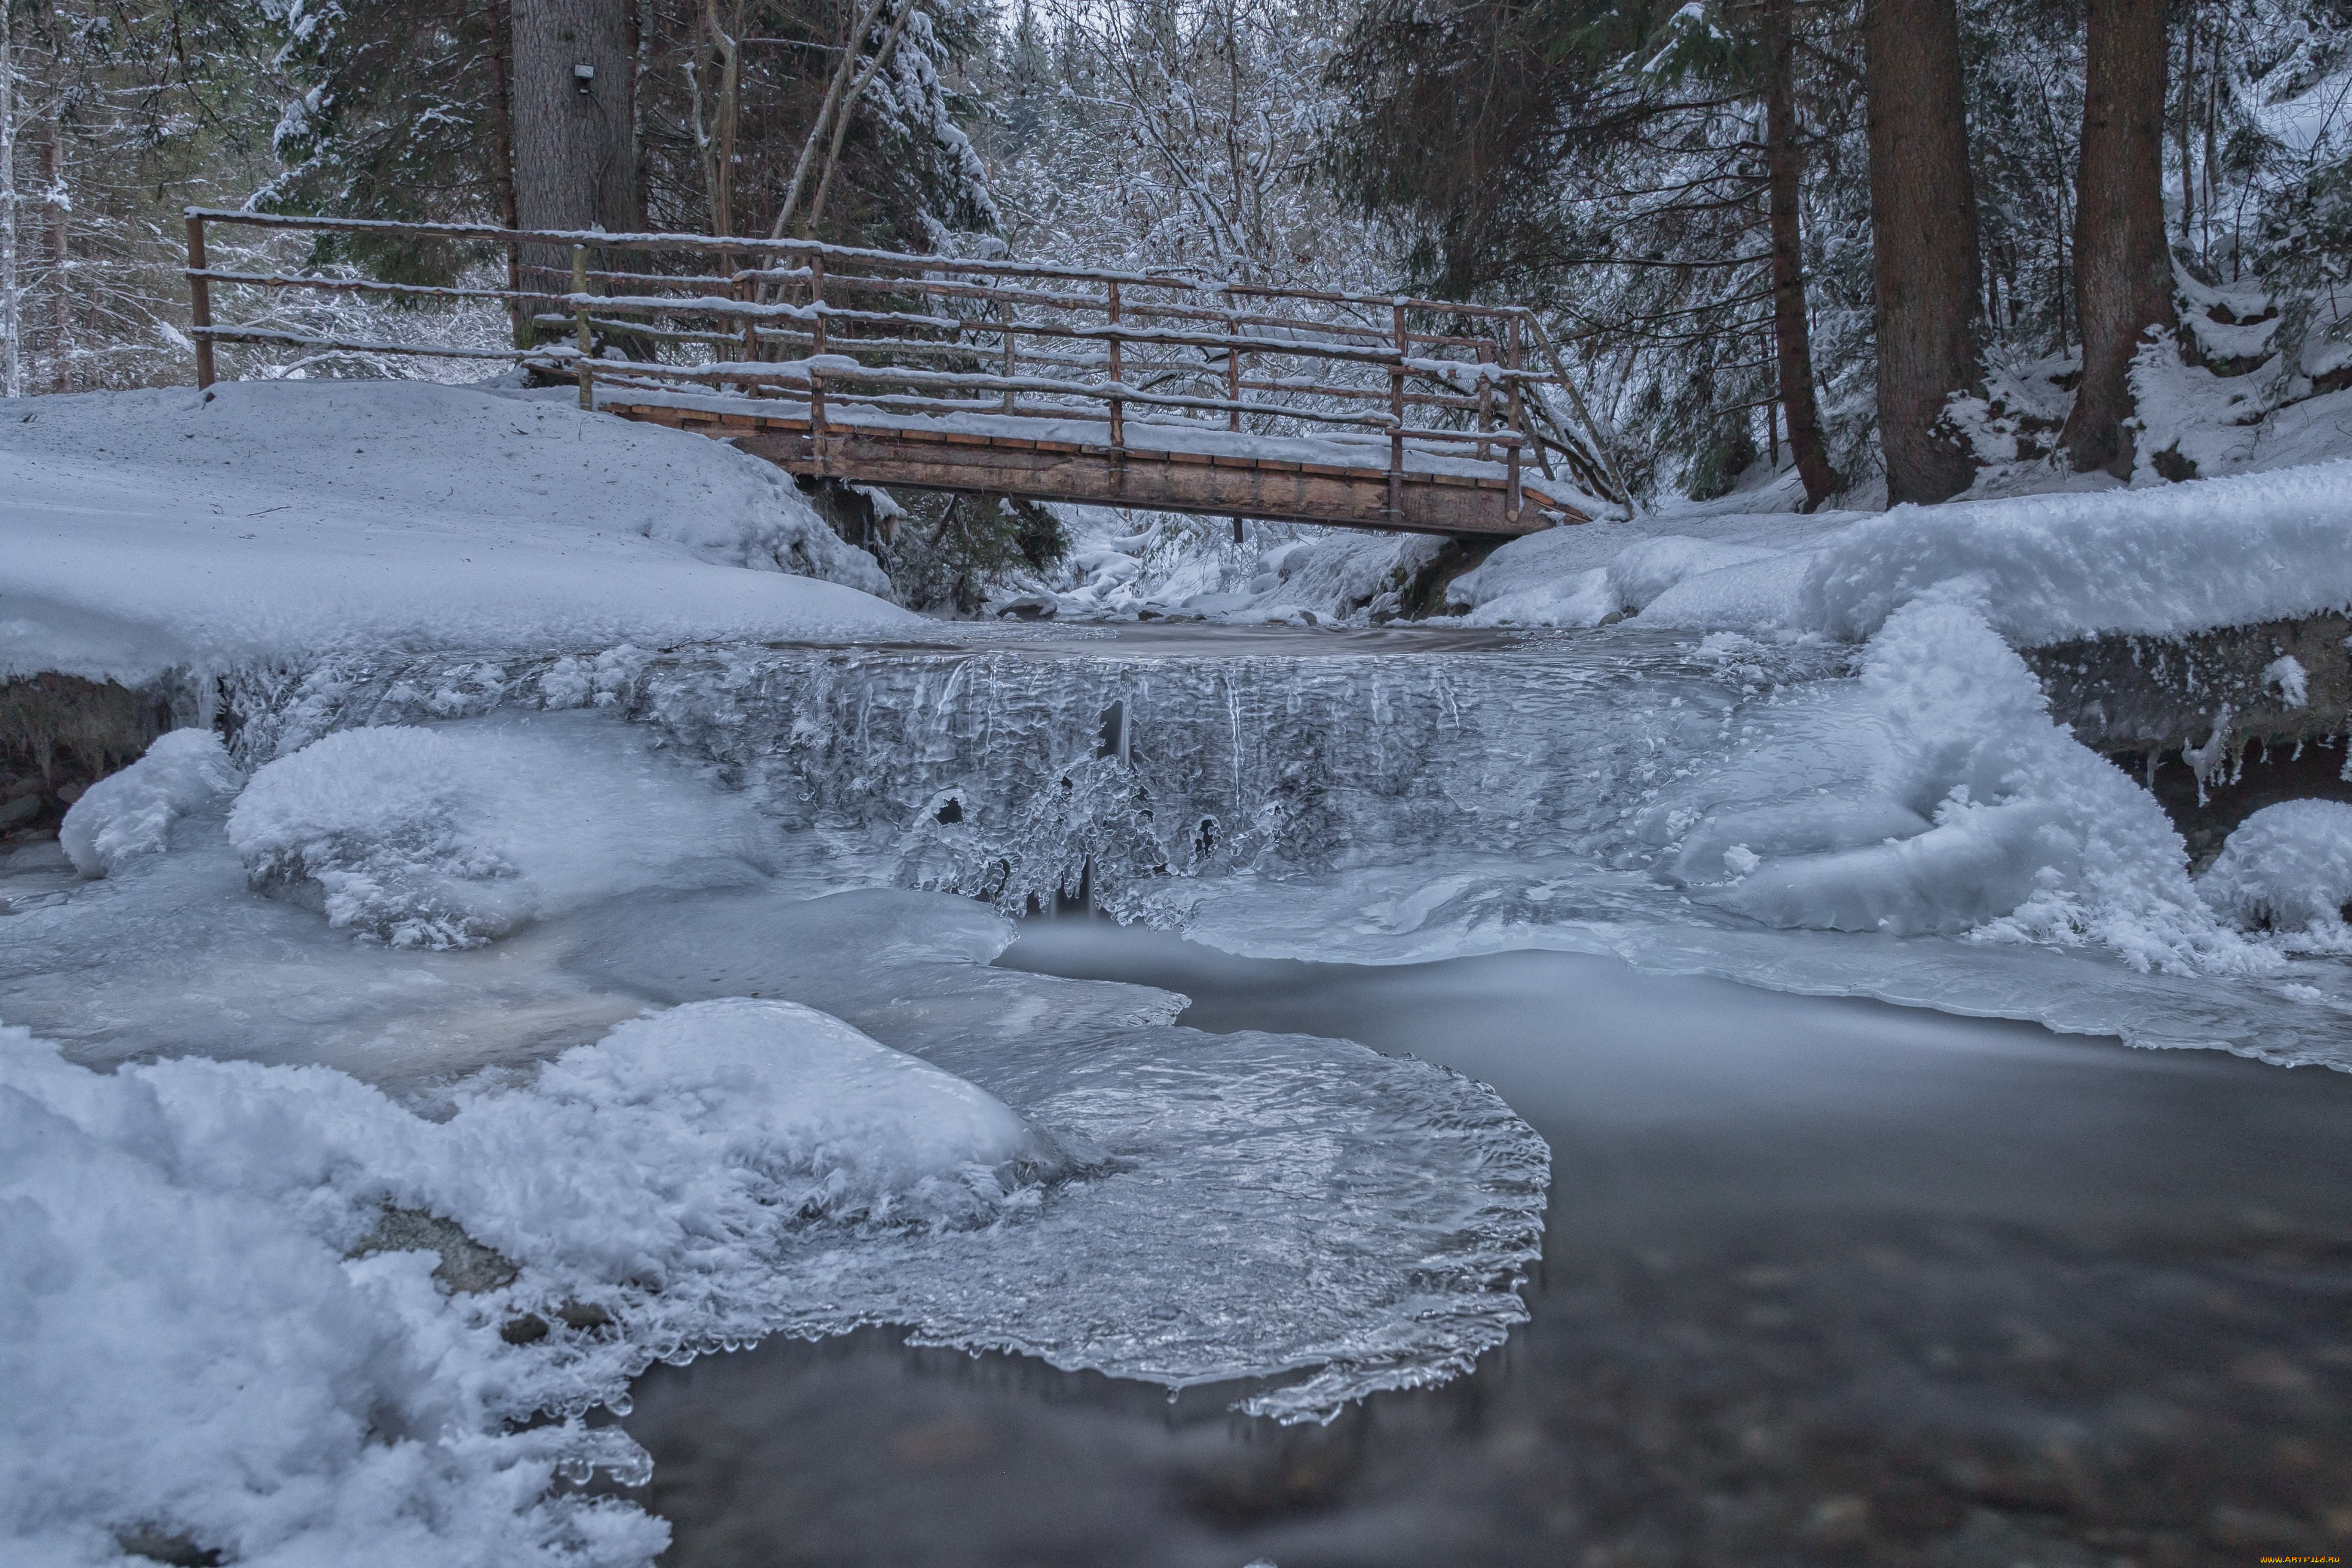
(1294, 798)
(1935, 794)
(2288, 868)
(990, 1158)
(425, 837)
(130, 814)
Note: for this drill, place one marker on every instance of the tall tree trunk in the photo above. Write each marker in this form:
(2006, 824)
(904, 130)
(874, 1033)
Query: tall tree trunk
(12, 298)
(2123, 272)
(1924, 219)
(1792, 333)
(2187, 113)
(60, 264)
(502, 167)
(574, 166)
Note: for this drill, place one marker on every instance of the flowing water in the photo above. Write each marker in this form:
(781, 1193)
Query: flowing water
(1823, 1278)
(1824, 1282)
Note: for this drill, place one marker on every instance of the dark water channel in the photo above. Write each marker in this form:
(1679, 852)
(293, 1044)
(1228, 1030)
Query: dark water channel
(1825, 1282)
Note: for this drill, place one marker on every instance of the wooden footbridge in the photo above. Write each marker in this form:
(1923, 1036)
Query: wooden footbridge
(1043, 383)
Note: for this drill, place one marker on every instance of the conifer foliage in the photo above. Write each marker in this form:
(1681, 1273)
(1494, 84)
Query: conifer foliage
(1779, 234)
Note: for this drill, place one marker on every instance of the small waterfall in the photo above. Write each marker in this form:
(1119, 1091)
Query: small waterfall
(1021, 771)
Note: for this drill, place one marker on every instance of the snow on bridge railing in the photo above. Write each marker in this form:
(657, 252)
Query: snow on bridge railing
(842, 327)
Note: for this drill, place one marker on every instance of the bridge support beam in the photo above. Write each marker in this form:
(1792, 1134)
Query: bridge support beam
(1449, 504)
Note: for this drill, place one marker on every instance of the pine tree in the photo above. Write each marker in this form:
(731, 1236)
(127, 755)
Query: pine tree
(1923, 225)
(2122, 268)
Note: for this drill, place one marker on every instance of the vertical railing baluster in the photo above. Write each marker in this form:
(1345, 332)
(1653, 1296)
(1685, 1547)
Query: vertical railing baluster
(200, 301)
(1233, 390)
(1117, 403)
(816, 347)
(1518, 408)
(1486, 403)
(585, 375)
(1005, 330)
(1396, 413)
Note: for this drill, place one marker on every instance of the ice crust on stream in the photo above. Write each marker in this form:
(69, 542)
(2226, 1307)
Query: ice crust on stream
(1919, 829)
(704, 1094)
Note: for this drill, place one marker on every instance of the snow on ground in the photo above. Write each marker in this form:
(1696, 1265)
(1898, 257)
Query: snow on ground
(2155, 560)
(273, 522)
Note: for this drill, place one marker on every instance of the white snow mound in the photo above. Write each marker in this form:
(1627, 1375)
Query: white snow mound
(1936, 794)
(2288, 868)
(130, 814)
(191, 1350)
(1582, 575)
(451, 836)
(2158, 561)
(276, 522)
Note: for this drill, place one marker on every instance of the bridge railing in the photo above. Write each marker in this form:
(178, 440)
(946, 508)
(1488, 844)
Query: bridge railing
(1137, 359)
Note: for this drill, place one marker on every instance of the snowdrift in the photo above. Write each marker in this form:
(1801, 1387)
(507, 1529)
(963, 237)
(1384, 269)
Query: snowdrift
(204, 1343)
(2160, 562)
(274, 522)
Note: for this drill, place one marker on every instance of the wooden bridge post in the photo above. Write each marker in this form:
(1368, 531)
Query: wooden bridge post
(1117, 403)
(1233, 391)
(199, 302)
(1518, 408)
(1396, 412)
(1485, 402)
(1004, 330)
(585, 375)
(735, 291)
(816, 347)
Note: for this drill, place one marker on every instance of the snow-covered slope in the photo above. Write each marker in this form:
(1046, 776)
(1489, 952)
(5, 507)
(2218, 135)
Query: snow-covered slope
(2158, 561)
(276, 521)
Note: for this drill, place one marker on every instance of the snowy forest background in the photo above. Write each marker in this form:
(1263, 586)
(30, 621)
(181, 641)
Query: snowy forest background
(1619, 166)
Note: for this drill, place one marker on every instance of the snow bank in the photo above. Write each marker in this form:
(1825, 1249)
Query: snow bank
(130, 814)
(2288, 868)
(1935, 794)
(2158, 561)
(451, 836)
(276, 521)
(1531, 582)
(201, 1342)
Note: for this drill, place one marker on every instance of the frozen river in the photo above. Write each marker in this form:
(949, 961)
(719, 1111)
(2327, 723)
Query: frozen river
(1447, 950)
(1824, 1280)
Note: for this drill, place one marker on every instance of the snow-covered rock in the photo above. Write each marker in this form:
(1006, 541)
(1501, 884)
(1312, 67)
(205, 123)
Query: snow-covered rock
(200, 1346)
(453, 835)
(129, 813)
(1935, 794)
(2288, 868)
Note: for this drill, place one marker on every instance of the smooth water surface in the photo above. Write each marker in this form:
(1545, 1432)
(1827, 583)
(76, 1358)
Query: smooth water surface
(1826, 1281)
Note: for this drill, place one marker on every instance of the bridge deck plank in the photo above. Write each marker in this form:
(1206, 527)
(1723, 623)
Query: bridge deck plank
(1040, 468)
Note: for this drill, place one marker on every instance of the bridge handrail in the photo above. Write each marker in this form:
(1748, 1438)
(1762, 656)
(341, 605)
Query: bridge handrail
(1452, 374)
